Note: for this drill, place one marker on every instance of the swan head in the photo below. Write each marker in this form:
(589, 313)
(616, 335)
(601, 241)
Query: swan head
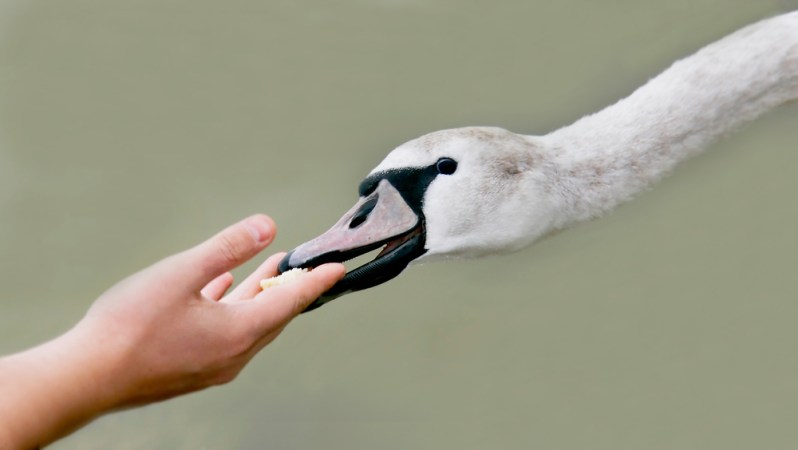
(464, 192)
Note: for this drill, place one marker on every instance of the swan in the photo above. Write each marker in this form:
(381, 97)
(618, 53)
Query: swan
(477, 191)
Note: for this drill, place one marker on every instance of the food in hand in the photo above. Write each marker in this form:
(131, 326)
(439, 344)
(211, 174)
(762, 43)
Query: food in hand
(283, 278)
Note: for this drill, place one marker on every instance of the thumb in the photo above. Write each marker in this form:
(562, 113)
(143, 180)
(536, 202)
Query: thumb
(226, 250)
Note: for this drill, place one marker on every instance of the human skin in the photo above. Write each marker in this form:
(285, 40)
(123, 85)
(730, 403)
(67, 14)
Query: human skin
(164, 331)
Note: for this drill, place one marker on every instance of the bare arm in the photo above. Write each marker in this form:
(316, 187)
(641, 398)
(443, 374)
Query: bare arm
(165, 331)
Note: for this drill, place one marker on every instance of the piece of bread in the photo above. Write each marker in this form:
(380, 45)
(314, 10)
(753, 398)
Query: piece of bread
(283, 278)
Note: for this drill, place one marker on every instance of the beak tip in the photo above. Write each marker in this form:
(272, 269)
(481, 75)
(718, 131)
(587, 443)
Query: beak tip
(285, 263)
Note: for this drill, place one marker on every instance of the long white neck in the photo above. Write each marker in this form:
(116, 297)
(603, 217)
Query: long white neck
(606, 158)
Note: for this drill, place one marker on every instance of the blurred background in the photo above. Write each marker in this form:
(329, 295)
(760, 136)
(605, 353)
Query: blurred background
(131, 129)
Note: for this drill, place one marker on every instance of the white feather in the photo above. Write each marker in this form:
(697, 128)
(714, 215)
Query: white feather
(511, 189)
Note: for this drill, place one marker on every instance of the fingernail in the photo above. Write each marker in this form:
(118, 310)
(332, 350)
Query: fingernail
(258, 228)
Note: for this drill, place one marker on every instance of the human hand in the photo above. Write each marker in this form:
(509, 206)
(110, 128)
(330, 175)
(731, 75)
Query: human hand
(162, 332)
(174, 332)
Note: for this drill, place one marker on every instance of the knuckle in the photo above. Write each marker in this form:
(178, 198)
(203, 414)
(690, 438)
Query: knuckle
(241, 346)
(300, 301)
(299, 305)
(225, 376)
(229, 249)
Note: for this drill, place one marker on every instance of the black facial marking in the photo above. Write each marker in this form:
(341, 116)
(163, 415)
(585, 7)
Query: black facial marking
(411, 183)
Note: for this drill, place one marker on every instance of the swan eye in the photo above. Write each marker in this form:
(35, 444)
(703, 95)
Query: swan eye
(446, 166)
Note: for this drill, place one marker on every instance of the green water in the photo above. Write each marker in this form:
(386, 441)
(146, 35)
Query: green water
(130, 129)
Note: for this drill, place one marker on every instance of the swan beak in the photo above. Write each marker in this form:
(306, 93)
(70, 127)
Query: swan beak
(372, 222)
(379, 219)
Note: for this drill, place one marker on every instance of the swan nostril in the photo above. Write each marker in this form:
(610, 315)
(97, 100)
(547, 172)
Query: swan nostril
(363, 213)
(357, 221)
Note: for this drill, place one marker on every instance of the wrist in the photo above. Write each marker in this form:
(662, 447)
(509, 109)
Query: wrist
(53, 389)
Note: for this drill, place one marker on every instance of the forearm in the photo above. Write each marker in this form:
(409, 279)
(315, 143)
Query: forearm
(50, 390)
(164, 331)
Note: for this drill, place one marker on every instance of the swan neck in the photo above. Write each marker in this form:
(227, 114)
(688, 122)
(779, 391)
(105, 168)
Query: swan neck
(606, 158)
